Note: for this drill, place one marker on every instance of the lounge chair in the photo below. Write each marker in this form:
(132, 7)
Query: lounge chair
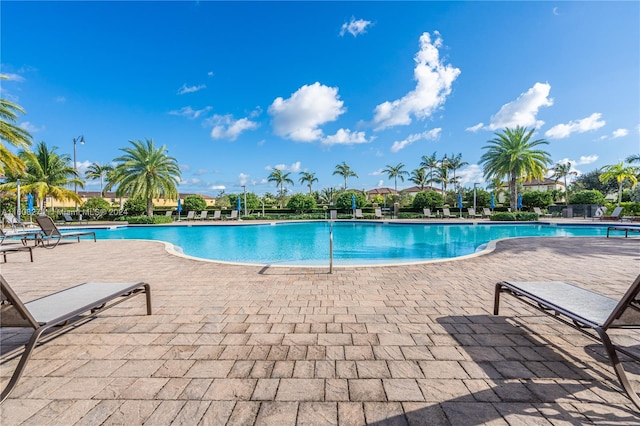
(377, 213)
(4, 250)
(203, 215)
(359, 214)
(471, 212)
(190, 215)
(486, 211)
(168, 213)
(446, 213)
(427, 214)
(333, 214)
(59, 311)
(50, 232)
(233, 215)
(615, 214)
(539, 212)
(68, 219)
(217, 214)
(11, 220)
(588, 312)
(22, 235)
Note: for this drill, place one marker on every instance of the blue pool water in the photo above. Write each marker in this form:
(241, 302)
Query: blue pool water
(354, 243)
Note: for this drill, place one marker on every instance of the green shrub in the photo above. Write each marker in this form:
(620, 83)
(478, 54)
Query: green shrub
(96, 208)
(590, 196)
(526, 216)
(194, 202)
(503, 216)
(428, 199)
(135, 206)
(147, 220)
(343, 201)
(542, 199)
(301, 203)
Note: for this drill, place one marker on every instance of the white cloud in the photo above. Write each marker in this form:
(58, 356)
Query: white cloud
(345, 137)
(295, 167)
(618, 133)
(584, 159)
(475, 128)
(82, 166)
(31, 128)
(243, 178)
(60, 99)
(218, 187)
(191, 89)
(587, 159)
(190, 112)
(225, 126)
(428, 135)
(200, 172)
(355, 27)
(298, 118)
(562, 131)
(472, 174)
(210, 73)
(192, 181)
(380, 183)
(14, 77)
(522, 111)
(433, 84)
(378, 172)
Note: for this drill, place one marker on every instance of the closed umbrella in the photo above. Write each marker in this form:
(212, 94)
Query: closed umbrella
(30, 209)
(179, 209)
(239, 207)
(353, 202)
(492, 203)
(460, 203)
(519, 201)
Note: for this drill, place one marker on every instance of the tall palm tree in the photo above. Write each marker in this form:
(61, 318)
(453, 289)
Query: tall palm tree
(395, 172)
(430, 162)
(620, 173)
(456, 163)
(495, 185)
(147, 171)
(419, 177)
(310, 178)
(345, 171)
(98, 171)
(280, 178)
(512, 153)
(441, 174)
(562, 170)
(11, 134)
(47, 174)
(633, 158)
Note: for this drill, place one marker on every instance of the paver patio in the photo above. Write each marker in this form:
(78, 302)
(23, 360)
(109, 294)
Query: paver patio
(230, 344)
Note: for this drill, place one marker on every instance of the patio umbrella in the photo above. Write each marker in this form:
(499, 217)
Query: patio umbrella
(519, 201)
(30, 209)
(239, 207)
(460, 203)
(492, 203)
(353, 202)
(179, 206)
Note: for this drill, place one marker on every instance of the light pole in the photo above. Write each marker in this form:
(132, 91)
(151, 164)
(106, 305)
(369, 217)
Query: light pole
(244, 188)
(474, 195)
(18, 216)
(75, 167)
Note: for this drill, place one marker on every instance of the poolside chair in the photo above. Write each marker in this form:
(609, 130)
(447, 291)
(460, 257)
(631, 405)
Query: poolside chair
(4, 250)
(68, 219)
(588, 312)
(11, 220)
(190, 215)
(233, 215)
(333, 214)
(22, 235)
(203, 215)
(427, 214)
(615, 214)
(471, 212)
(57, 312)
(377, 213)
(446, 213)
(51, 235)
(217, 214)
(486, 211)
(359, 214)
(168, 213)
(539, 212)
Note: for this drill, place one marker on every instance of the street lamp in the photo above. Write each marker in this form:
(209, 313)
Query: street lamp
(244, 188)
(75, 167)
(474, 195)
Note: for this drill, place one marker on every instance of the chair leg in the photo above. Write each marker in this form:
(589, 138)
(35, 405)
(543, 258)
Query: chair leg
(617, 367)
(21, 364)
(496, 299)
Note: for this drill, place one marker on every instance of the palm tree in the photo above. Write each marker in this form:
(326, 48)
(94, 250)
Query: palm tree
(633, 158)
(146, 171)
(562, 170)
(395, 172)
(46, 174)
(309, 178)
(280, 179)
(430, 162)
(512, 153)
(441, 174)
(620, 173)
(345, 171)
(455, 163)
(98, 171)
(495, 185)
(419, 177)
(11, 134)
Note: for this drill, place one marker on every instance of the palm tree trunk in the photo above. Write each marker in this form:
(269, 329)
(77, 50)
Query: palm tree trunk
(619, 193)
(149, 206)
(514, 195)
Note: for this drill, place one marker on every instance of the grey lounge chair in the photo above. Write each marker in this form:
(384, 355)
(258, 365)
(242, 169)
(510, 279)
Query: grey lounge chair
(22, 235)
(446, 213)
(539, 212)
(68, 219)
(378, 213)
(13, 221)
(51, 235)
(203, 215)
(4, 250)
(233, 215)
(59, 311)
(217, 215)
(486, 211)
(191, 215)
(471, 212)
(426, 212)
(590, 313)
(615, 214)
(358, 214)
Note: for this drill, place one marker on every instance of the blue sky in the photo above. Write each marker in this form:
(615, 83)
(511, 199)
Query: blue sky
(236, 89)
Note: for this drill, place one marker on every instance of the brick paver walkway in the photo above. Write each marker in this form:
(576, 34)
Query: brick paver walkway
(245, 345)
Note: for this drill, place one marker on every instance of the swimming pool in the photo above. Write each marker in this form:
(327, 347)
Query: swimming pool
(354, 243)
